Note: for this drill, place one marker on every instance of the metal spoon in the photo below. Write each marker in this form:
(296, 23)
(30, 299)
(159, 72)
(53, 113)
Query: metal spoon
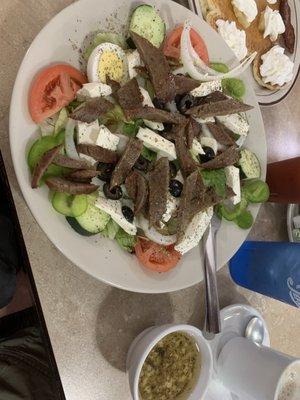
(255, 330)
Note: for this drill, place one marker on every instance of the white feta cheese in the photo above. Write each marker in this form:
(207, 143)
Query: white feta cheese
(197, 148)
(114, 209)
(296, 221)
(205, 120)
(172, 205)
(106, 139)
(158, 126)
(195, 231)
(133, 60)
(209, 142)
(236, 123)
(206, 88)
(157, 143)
(233, 181)
(87, 133)
(92, 90)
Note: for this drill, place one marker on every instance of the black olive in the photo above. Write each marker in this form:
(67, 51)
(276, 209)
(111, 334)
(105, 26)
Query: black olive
(186, 102)
(173, 169)
(128, 213)
(208, 156)
(168, 127)
(142, 164)
(158, 103)
(114, 193)
(175, 187)
(105, 171)
(130, 43)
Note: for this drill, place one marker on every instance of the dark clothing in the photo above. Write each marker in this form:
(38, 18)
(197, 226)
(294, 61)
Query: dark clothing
(8, 261)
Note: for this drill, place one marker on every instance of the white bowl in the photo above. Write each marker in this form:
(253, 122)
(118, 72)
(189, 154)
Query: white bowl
(144, 343)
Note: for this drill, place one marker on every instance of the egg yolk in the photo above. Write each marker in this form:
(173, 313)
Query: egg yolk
(110, 65)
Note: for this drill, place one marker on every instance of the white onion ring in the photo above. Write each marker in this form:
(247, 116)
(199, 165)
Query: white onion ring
(154, 235)
(69, 140)
(188, 60)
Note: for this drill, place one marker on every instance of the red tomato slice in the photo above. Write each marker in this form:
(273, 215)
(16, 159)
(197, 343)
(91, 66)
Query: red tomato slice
(156, 257)
(52, 89)
(172, 44)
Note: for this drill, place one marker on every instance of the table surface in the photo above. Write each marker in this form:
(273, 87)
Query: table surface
(90, 324)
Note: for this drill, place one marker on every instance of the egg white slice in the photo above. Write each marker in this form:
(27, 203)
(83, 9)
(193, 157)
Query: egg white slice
(95, 58)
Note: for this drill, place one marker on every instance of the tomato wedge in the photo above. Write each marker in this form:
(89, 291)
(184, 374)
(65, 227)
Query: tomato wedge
(156, 257)
(52, 89)
(172, 44)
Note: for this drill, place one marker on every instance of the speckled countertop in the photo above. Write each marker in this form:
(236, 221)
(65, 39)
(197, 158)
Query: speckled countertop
(90, 324)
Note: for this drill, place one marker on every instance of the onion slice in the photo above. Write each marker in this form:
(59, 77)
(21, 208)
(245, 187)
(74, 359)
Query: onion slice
(188, 59)
(69, 140)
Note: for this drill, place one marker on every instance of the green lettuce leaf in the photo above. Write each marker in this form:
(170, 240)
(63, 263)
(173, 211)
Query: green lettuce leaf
(215, 178)
(126, 241)
(148, 154)
(110, 230)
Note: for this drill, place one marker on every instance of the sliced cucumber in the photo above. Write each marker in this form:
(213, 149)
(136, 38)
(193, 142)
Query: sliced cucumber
(93, 220)
(70, 205)
(78, 228)
(249, 164)
(146, 22)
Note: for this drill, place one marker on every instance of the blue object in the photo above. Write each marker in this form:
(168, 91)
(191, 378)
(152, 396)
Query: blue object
(269, 268)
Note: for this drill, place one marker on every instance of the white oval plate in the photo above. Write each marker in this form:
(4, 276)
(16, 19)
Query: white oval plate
(59, 41)
(267, 97)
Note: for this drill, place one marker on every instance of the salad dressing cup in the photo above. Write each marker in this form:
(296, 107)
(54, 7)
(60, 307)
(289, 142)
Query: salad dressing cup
(146, 341)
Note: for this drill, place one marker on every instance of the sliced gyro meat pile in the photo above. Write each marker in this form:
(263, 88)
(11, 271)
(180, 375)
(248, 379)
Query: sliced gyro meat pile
(91, 110)
(193, 131)
(137, 188)
(129, 96)
(64, 186)
(65, 161)
(289, 36)
(157, 66)
(217, 104)
(125, 164)
(159, 179)
(98, 153)
(228, 157)
(41, 167)
(82, 175)
(184, 84)
(186, 161)
(221, 134)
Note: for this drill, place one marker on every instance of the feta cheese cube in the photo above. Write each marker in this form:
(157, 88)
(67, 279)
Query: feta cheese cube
(106, 139)
(87, 133)
(206, 88)
(157, 143)
(87, 158)
(236, 123)
(205, 120)
(92, 90)
(158, 126)
(233, 181)
(195, 231)
(197, 148)
(133, 60)
(172, 205)
(114, 209)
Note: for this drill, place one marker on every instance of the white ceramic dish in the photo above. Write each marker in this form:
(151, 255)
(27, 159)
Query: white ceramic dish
(60, 40)
(292, 211)
(267, 97)
(145, 342)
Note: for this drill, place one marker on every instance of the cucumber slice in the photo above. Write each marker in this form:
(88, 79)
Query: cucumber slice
(256, 191)
(244, 220)
(249, 164)
(93, 220)
(70, 205)
(147, 23)
(78, 228)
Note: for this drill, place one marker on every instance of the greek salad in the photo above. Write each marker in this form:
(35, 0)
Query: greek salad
(145, 144)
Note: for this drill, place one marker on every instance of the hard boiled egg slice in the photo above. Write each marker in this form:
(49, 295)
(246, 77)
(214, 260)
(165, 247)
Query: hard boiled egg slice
(107, 59)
